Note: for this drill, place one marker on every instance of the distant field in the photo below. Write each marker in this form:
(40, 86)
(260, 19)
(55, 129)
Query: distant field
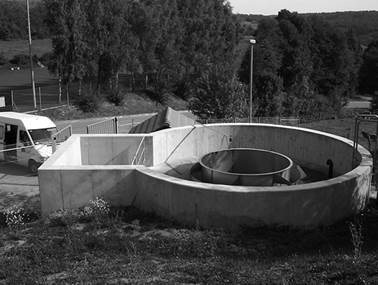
(10, 48)
(19, 78)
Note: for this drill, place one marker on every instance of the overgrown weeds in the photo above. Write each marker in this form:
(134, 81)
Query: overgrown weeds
(356, 227)
(100, 244)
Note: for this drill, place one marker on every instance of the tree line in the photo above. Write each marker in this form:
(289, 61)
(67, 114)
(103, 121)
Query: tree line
(175, 40)
(302, 64)
(13, 20)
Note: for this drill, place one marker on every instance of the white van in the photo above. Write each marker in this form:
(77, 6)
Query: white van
(25, 139)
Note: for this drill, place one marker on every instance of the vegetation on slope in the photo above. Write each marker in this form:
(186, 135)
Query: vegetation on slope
(99, 245)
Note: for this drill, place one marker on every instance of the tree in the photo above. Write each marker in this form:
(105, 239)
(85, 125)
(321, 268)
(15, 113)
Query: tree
(217, 93)
(67, 21)
(268, 85)
(12, 20)
(171, 39)
(368, 76)
(302, 66)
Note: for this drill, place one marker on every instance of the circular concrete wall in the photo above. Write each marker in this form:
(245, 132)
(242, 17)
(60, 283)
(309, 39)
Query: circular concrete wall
(212, 205)
(245, 166)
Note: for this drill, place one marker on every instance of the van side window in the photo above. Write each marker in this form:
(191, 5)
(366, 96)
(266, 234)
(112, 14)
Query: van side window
(24, 139)
(1, 132)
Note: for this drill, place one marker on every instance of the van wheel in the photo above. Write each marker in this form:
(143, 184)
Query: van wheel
(33, 166)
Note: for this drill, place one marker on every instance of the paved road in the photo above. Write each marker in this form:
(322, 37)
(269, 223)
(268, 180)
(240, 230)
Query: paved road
(17, 186)
(355, 104)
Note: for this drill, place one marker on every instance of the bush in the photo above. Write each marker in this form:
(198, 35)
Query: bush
(156, 95)
(3, 60)
(20, 60)
(181, 89)
(217, 93)
(115, 97)
(88, 103)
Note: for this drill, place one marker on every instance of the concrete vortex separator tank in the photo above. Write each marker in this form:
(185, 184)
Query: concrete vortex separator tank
(246, 167)
(87, 166)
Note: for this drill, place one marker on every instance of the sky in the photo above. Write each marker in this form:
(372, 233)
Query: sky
(271, 7)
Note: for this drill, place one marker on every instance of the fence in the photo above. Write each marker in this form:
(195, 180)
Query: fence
(112, 126)
(126, 124)
(123, 125)
(49, 95)
(60, 136)
(109, 126)
(137, 82)
(288, 121)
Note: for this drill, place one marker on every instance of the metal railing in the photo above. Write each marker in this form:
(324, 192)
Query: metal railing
(139, 156)
(48, 95)
(125, 124)
(60, 136)
(290, 121)
(116, 125)
(109, 126)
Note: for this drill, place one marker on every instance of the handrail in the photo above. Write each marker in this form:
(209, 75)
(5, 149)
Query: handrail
(137, 151)
(55, 136)
(113, 120)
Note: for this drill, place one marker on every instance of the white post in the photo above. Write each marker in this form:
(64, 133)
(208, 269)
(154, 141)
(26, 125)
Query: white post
(12, 99)
(40, 98)
(252, 42)
(30, 56)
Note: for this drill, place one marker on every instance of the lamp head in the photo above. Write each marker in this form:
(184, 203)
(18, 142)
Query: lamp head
(252, 41)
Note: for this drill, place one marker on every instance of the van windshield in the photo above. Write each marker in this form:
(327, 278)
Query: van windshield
(41, 135)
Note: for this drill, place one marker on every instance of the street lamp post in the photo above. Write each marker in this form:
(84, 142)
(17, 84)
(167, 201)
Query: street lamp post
(252, 42)
(30, 56)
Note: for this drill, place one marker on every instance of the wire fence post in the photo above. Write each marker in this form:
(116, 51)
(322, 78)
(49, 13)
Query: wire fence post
(116, 125)
(60, 90)
(12, 99)
(40, 98)
(68, 96)
(54, 144)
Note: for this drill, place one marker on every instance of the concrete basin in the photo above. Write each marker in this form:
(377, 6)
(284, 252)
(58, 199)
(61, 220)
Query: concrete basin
(245, 167)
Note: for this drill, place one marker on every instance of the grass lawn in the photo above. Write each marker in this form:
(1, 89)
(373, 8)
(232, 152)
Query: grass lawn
(11, 48)
(21, 78)
(343, 127)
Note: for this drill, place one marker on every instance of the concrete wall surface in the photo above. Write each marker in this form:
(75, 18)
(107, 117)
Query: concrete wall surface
(101, 167)
(73, 187)
(196, 203)
(306, 147)
(116, 150)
